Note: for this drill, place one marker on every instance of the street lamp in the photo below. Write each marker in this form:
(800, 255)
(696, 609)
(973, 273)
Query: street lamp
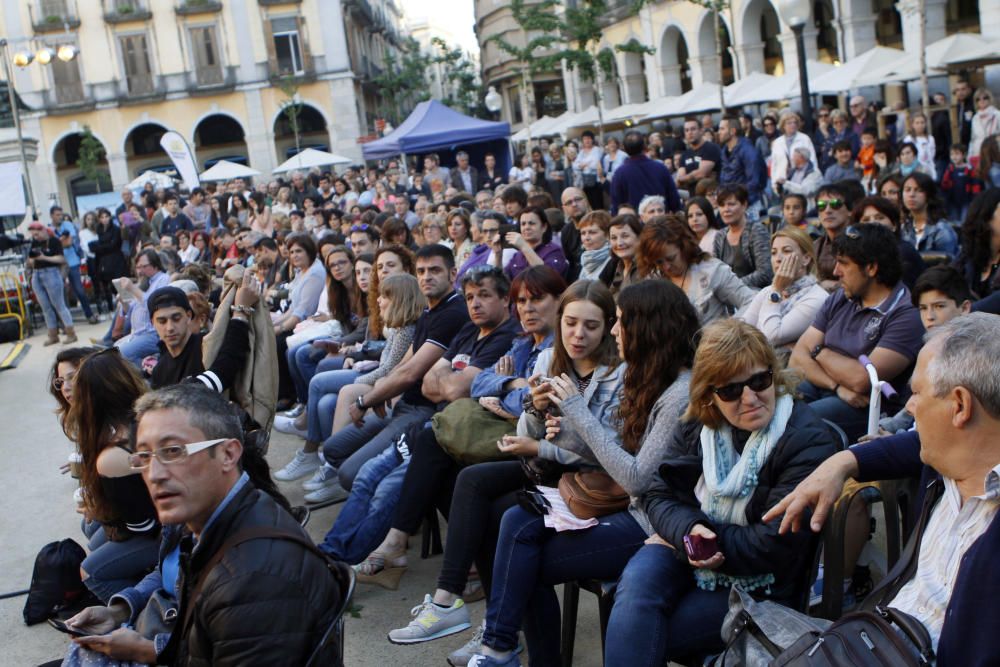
(493, 101)
(796, 14)
(65, 53)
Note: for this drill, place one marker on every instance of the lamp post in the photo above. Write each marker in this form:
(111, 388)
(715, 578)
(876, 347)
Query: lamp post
(65, 53)
(796, 14)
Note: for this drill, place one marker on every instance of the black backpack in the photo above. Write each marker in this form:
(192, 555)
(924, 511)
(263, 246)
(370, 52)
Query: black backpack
(55, 581)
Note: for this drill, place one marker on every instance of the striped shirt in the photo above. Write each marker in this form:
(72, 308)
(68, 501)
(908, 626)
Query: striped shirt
(953, 528)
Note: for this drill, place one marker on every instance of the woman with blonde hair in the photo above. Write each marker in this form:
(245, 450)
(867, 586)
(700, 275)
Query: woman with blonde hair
(784, 309)
(985, 123)
(789, 138)
(282, 204)
(744, 443)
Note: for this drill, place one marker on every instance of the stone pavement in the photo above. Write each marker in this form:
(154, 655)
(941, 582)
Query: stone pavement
(37, 508)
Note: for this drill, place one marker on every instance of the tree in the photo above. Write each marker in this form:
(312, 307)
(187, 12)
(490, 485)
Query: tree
(466, 90)
(90, 157)
(403, 82)
(291, 106)
(572, 40)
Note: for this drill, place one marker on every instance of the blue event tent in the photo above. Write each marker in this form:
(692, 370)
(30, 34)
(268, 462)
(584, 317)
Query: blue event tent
(436, 128)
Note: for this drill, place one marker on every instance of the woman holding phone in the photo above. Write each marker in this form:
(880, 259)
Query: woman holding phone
(745, 443)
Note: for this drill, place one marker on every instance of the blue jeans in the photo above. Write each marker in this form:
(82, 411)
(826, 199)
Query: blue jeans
(351, 447)
(531, 559)
(115, 566)
(659, 613)
(81, 294)
(366, 517)
(47, 284)
(827, 405)
(302, 364)
(137, 346)
(322, 401)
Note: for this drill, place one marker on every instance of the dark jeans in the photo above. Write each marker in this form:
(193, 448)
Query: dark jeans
(827, 405)
(659, 613)
(531, 559)
(483, 492)
(81, 294)
(103, 291)
(429, 482)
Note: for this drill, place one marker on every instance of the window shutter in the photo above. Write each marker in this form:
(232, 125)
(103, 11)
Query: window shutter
(307, 63)
(272, 57)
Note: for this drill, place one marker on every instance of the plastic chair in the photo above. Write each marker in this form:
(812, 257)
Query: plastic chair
(430, 539)
(605, 592)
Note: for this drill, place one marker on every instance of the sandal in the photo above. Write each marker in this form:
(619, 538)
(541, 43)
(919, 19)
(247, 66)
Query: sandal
(379, 569)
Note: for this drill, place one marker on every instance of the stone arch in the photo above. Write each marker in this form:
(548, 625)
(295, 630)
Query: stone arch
(760, 48)
(313, 131)
(675, 71)
(219, 135)
(827, 43)
(141, 147)
(70, 180)
(632, 70)
(888, 23)
(706, 56)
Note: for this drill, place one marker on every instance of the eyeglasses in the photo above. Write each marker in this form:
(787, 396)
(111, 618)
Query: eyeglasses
(359, 228)
(170, 453)
(834, 204)
(756, 382)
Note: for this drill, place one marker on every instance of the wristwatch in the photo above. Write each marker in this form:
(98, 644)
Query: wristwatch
(361, 404)
(815, 351)
(775, 297)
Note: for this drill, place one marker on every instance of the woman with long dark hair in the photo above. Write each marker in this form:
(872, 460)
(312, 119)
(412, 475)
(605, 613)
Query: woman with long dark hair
(123, 528)
(530, 558)
(108, 251)
(62, 376)
(926, 225)
(702, 221)
(980, 258)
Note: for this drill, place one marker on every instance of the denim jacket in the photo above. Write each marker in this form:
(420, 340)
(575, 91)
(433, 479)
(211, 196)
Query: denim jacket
(938, 237)
(602, 395)
(490, 383)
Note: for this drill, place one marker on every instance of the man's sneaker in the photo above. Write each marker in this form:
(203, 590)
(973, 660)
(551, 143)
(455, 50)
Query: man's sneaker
(322, 477)
(461, 657)
(303, 464)
(330, 491)
(431, 621)
(295, 411)
(480, 660)
(287, 425)
(816, 594)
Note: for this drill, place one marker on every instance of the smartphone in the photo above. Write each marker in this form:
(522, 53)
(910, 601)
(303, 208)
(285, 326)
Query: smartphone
(700, 548)
(504, 230)
(62, 627)
(543, 380)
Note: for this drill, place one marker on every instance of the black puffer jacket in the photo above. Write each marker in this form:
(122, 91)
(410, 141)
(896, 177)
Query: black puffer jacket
(108, 251)
(756, 548)
(267, 602)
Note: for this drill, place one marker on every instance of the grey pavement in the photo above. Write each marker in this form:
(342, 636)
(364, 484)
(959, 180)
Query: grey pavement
(37, 508)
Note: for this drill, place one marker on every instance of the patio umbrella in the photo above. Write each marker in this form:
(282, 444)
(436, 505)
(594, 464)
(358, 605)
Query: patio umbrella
(310, 158)
(956, 51)
(157, 178)
(847, 76)
(746, 90)
(224, 170)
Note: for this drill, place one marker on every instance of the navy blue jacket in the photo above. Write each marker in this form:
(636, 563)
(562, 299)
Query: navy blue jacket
(968, 637)
(639, 176)
(743, 165)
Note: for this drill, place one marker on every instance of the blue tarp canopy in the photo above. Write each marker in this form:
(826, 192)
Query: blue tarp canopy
(434, 127)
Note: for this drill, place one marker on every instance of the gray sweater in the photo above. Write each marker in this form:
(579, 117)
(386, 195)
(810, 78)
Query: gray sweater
(397, 342)
(635, 472)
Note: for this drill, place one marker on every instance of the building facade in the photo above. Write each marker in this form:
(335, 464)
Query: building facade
(218, 72)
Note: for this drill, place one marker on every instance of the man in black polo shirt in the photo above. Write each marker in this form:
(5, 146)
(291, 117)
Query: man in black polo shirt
(702, 159)
(368, 514)
(347, 450)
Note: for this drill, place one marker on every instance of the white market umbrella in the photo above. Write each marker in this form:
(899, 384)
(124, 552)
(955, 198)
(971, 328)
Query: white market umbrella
(157, 178)
(224, 170)
(747, 90)
(849, 75)
(954, 51)
(310, 158)
(786, 86)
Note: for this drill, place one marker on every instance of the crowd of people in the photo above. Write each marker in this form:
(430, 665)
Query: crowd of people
(678, 321)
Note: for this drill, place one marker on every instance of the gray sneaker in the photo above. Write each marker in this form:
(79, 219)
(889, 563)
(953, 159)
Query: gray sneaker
(474, 646)
(303, 464)
(431, 621)
(329, 491)
(322, 478)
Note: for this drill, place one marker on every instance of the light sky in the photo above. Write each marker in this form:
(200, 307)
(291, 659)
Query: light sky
(456, 16)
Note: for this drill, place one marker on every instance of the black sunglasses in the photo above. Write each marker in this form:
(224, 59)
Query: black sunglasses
(756, 382)
(533, 501)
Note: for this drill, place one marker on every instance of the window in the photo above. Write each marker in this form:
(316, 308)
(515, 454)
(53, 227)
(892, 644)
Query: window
(138, 70)
(287, 49)
(66, 80)
(205, 53)
(53, 8)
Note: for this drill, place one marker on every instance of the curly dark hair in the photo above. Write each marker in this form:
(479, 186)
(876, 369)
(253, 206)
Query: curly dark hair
(977, 234)
(935, 205)
(648, 309)
(871, 243)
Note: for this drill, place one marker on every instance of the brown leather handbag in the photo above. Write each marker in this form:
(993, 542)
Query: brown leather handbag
(592, 493)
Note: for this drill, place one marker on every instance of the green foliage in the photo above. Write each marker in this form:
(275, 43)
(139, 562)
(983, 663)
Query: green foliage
(403, 81)
(90, 156)
(290, 106)
(466, 91)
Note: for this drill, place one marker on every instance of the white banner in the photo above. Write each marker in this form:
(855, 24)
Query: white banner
(182, 157)
(11, 189)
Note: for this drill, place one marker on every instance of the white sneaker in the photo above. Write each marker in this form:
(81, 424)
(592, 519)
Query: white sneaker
(474, 646)
(325, 473)
(431, 621)
(303, 464)
(296, 410)
(330, 491)
(287, 425)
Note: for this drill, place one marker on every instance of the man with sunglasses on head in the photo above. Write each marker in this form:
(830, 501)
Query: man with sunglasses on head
(871, 314)
(834, 215)
(364, 238)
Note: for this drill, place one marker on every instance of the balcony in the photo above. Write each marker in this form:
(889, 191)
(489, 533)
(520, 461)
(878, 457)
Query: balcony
(210, 80)
(53, 16)
(194, 7)
(140, 88)
(125, 11)
(275, 3)
(67, 98)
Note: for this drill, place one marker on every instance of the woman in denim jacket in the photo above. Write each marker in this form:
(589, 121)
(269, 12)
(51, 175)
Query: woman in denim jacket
(926, 226)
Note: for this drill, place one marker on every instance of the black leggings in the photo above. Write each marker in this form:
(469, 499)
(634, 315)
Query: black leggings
(429, 482)
(482, 494)
(286, 388)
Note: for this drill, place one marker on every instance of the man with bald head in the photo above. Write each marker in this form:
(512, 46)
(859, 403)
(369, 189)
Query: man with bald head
(859, 115)
(574, 206)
